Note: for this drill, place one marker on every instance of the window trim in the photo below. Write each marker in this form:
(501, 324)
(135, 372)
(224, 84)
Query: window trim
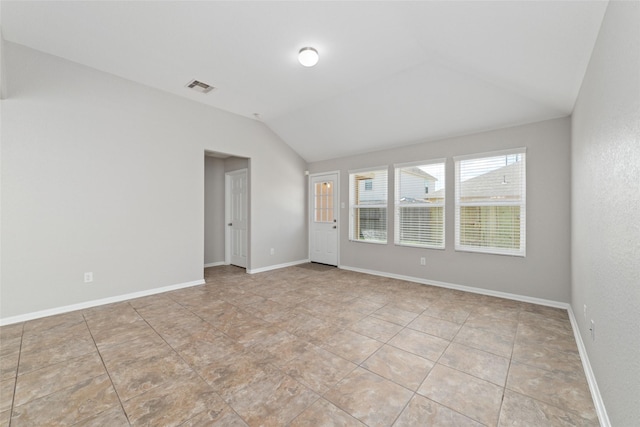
(397, 205)
(521, 252)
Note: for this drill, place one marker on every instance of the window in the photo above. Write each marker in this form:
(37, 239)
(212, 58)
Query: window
(368, 205)
(419, 202)
(323, 206)
(491, 202)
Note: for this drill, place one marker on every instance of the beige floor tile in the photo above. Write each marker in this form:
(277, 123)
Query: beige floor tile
(548, 337)
(519, 410)
(424, 345)
(36, 339)
(280, 348)
(114, 417)
(375, 328)
(7, 387)
(468, 395)
(5, 418)
(57, 352)
(172, 404)
(231, 374)
(424, 412)
(480, 364)
(216, 417)
(51, 324)
(545, 358)
(351, 345)
(434, 326)
(325, 414)
(493, 324)
(318, 369)
(10, 345)
(482, 339)
(271, 400)
(9, 365)
(399, 366)
(135, 377)
(370, 398)
(202, 353)
(42, 382)
(121, 333)
(11, 331)
(449, 311)
(555, 388)
(394, 315)
(68, 406)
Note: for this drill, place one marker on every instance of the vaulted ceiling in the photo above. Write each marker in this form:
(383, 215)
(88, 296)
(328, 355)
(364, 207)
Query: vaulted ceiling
(390, 72)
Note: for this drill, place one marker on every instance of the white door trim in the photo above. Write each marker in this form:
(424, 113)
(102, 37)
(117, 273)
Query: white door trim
(311, 208)
(227, 214)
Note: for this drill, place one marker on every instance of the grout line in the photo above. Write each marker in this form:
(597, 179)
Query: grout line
(15, 384)
(187, 363)
(106, 370)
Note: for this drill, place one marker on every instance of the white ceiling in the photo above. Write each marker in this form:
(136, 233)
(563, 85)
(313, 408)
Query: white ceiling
(390, 72)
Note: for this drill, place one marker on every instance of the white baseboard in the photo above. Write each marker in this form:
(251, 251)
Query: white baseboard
(591, 379)
(277, 266)
(214, 264)
(498, 294)
(95, 303)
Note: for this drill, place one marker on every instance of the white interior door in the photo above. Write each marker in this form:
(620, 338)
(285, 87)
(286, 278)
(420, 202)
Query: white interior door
(323, 239)
(237, 217)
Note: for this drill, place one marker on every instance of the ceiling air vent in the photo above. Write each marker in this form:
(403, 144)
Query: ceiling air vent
(199, 86)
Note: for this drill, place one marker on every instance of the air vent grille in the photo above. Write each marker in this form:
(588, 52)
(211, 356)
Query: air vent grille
(199, 86)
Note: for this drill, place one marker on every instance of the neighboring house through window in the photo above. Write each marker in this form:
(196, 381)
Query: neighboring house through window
(490, 202)
(368, 205)
(419, 213)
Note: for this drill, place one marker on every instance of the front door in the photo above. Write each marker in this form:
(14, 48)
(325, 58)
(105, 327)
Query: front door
(323, 239)
(237, 217)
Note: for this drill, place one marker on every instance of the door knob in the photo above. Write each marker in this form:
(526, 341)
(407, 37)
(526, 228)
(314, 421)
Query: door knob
(335, 226)
(230, 224)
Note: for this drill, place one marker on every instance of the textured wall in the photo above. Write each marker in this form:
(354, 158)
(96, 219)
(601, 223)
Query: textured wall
(606, 211)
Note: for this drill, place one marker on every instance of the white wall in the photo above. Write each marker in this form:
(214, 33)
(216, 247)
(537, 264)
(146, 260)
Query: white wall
(606, 211)
(104, 175)
(214, 205)
(544, 273)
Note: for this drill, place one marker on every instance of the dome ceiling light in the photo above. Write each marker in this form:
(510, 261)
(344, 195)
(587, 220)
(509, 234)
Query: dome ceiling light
(308, 56)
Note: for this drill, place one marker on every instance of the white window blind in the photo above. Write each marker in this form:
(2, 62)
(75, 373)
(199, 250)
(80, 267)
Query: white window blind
(490, 202)
(368, 205)
(419, 204)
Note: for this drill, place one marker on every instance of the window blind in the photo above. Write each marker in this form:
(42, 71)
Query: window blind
(420, 204)
(368, 205)
(490, 202)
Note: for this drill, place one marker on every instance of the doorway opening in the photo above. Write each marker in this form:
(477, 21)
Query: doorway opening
(226, 210)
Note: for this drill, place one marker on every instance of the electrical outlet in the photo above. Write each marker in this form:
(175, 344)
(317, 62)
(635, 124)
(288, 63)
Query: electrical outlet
(272, 251)
(593, 330)
(585, 312)
(88, 277)
(423, 261)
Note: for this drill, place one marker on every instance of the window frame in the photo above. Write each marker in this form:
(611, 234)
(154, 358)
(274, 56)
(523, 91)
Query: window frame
(353, 206)
(522, 203)
(398, 205)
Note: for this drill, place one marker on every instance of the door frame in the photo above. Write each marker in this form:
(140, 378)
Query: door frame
(310, 209)
(227, 215)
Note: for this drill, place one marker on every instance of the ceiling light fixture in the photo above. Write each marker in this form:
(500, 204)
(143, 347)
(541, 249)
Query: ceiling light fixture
(308, 56)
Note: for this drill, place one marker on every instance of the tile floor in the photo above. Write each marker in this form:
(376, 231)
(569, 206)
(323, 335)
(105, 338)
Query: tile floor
(302, 346)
